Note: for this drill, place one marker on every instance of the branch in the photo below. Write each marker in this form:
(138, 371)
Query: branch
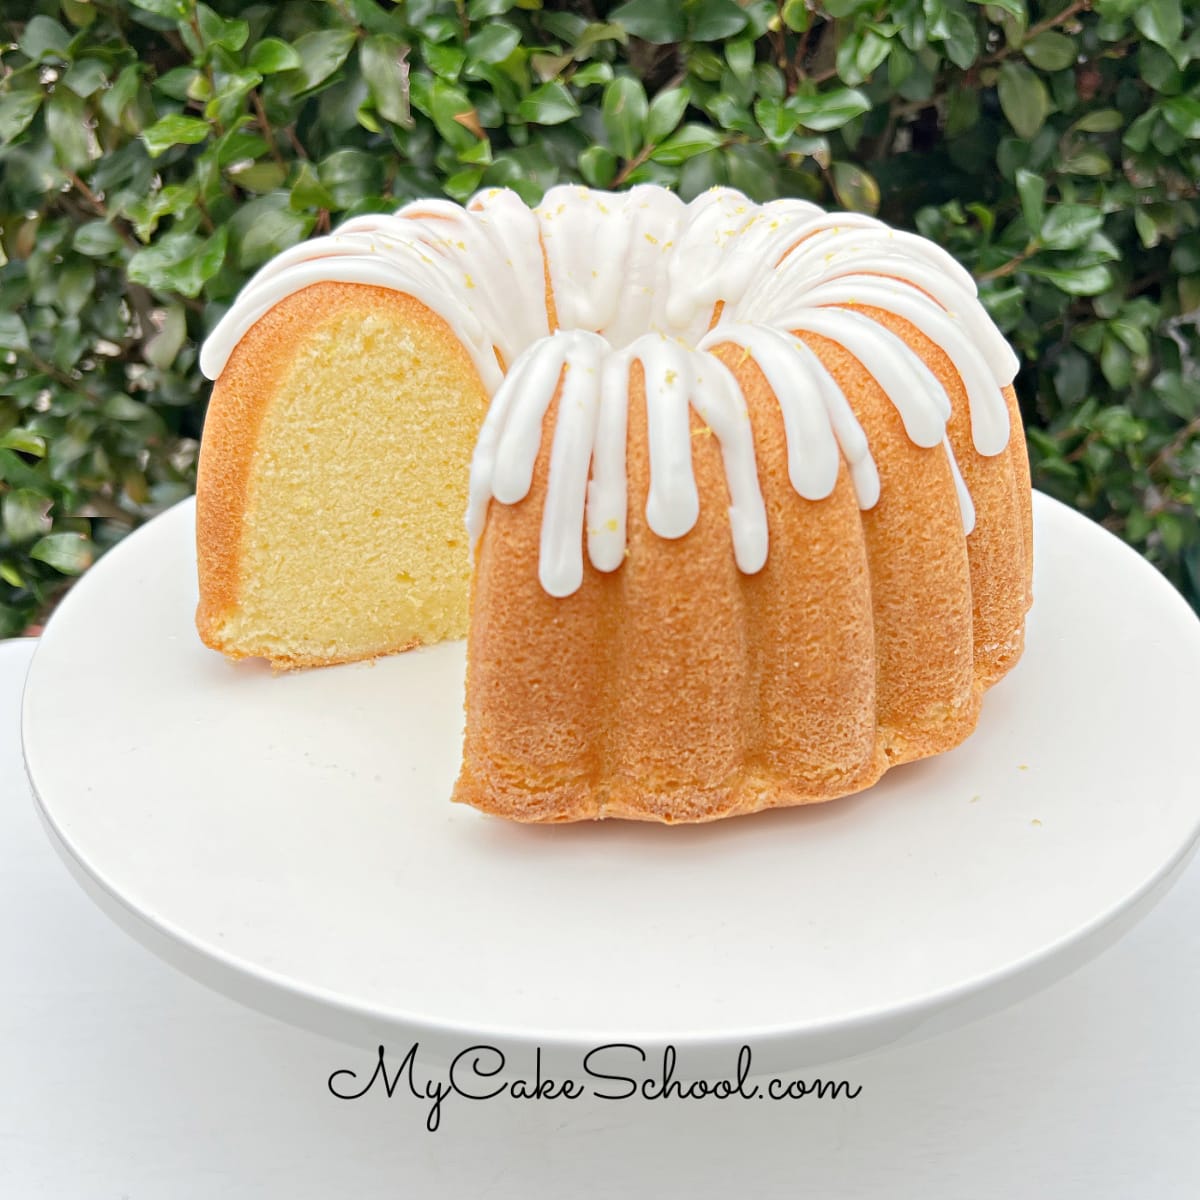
(261, 113)
(633, 164)
(648, 149)
(1043, 26)
(1009, 267)
(1177, 443)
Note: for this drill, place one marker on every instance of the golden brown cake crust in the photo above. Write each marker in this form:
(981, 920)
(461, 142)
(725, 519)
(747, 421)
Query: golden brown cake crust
(677, 689)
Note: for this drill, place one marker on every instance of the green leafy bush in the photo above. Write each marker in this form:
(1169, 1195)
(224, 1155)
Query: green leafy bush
(153, 153)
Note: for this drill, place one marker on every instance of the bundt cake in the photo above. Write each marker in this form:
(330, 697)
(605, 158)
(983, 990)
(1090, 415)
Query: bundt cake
(748, 510)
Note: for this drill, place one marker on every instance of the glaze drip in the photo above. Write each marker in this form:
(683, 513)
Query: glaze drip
(642, 281)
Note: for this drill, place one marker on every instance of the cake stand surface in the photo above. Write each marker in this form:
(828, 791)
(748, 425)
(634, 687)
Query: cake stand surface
(287, 839)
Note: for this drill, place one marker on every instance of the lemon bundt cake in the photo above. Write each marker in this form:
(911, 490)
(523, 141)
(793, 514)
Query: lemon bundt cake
(748, 508)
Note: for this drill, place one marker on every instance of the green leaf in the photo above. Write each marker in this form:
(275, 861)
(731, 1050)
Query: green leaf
(598, 166)
(174, 130)
(161, 348)
(860, 54)
(308, 191)
(962, 111)
(494, 43)
(1116, 364)
(740, 57)
(1051, 51)
(179, 262)
(26, 515)
(711, 20)
(1023, 99)
(1117, 425)
(769, 81)
(1102, 120)
(67, 553)
(480, 154)
(1177, 396)
(266, 227)
(478, 10)
(701, 173)
(120, 407)
(855, 188)
(1185, 257)
(796, 15)
(1182, 113)
(17, 473)
(236, 144)
(778, 121)
(686, 143)
(116, 103)
(1075, 281)
(446, 61)
(1132, 336)
(1137, 136)
(658, 21)
(1147, 229)
(384, 62)
(847, 8)
(1087, 161)
(24, 441)
(13, 334)
(86, 77)
(752, 171)
(961, 40)
(463, 184)
(258, 176)
(17, 109)
(228, 33)
(1068, 226)
(596, 33)
(97, 239)
(43, 37)
(176, 9)
(624, 111)
(550, 104)
(593, 73)
(666, 110)
(449, 106)
(828, 110)
(1161, 21)
(272, 55)
(228, 99)
(1159, 69)
(1031, 188)
(67, 126)
(348, 175)
(321, 54)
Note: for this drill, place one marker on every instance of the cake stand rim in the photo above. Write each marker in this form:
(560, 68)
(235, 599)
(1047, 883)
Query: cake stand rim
(330, 1012)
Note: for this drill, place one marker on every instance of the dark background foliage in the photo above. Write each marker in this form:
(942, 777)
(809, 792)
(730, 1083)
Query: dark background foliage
(153, 153)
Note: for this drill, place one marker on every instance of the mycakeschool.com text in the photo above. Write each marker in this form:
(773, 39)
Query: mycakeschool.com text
(613, 1071)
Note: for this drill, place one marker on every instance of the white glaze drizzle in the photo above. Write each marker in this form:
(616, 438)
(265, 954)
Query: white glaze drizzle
(966, 505)
(478, 269)
(911, 386)
(637, 277)
(590, 428)
(817, 418)
(608, 490)
(607, 255)
(984, 397)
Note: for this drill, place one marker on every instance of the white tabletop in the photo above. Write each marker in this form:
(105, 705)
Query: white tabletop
(122, 1078)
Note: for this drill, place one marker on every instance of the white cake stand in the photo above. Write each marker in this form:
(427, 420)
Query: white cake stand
(288, 839)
